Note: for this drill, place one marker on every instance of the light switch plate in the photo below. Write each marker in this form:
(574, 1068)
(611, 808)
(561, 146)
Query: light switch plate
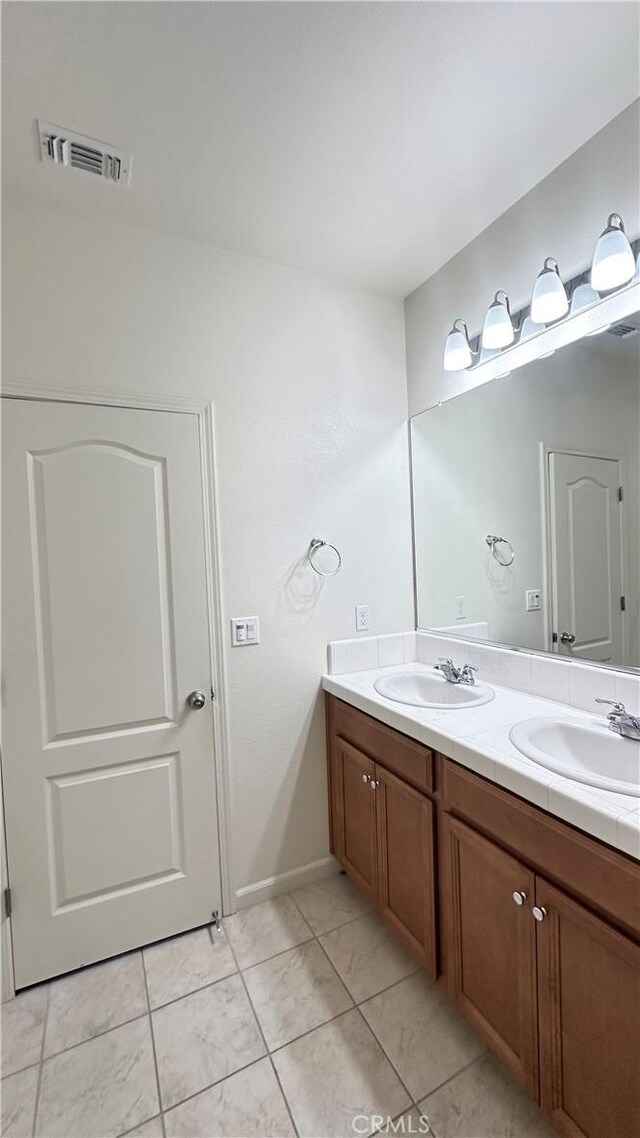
(532, 600)
(460, 608)
(245, 630)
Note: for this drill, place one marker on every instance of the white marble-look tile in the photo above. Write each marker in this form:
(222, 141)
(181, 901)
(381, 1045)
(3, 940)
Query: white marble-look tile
(368, 956)
(337, 1072)
(628, 691)
(468, 755)
(628, 833)
(364, 653)
(295, 992)
(390, 650)
(203, 1037)
(249, 1103)
(263, 930)
(526, 778)
(100, 1089)
(93, 1000)
(485, 1100)
(500, 666)
(587, 683)
(339, 657)
(329, 903)
(18, 1094)
(596, 811)
(550, 678)
(23, 1028)
(185, 963)
(426, 1039)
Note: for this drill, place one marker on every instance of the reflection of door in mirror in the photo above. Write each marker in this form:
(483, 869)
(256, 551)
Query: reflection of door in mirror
(586, 556)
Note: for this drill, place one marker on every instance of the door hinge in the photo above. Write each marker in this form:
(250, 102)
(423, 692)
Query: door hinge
(7, 902)
(623, 604)
(554, 637)
(620, 493)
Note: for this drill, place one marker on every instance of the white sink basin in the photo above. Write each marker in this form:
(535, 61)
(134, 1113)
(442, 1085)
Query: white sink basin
(425, 690)
(581, 749)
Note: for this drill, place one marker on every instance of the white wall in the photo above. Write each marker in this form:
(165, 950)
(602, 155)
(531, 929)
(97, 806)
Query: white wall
(477, 471)
(308, 380)
(561, 217)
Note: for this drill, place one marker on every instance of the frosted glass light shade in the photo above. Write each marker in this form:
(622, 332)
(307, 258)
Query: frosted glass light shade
(613, 263)
(497, 331)
(457, 351)
(529, 329)
(549, 301)
(583, 297)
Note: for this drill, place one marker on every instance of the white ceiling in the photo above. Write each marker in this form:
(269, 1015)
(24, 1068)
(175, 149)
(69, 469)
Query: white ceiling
(371, 141)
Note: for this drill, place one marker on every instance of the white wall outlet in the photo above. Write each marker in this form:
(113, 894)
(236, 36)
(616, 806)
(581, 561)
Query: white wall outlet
(460, 608)
(362, 618)
(532, 600)
(245, 630)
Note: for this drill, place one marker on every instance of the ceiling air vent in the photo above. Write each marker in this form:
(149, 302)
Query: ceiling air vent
(66, 148)
(625, 329)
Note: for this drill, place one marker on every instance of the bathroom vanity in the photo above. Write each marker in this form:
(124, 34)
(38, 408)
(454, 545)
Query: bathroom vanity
(531, 924)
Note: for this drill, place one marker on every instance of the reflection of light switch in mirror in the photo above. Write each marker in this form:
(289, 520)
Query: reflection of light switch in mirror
(532, 599)
(460, 608)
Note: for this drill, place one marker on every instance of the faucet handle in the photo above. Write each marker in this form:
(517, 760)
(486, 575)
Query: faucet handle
(469, 668)
(445, 659)
(617, 707)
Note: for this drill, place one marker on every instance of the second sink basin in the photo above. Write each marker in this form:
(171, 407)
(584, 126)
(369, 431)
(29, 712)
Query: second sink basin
(581, 749)
(425, 690)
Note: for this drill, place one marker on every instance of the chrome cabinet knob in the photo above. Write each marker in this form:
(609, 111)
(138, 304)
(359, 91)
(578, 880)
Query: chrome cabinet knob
(519, 897)
(365, 778)
(196, 699)
(373, 784)
(539, 912)
(567, 638)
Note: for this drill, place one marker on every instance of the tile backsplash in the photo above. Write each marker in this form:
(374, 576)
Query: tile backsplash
(566, 681)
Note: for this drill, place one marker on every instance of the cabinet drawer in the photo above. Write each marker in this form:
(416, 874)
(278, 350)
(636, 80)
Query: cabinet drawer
(605, 879)
(399, 754)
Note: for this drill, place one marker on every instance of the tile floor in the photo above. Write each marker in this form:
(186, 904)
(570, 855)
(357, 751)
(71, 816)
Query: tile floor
(305, 1013)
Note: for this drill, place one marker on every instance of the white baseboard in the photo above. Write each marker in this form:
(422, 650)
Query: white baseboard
(285, 882)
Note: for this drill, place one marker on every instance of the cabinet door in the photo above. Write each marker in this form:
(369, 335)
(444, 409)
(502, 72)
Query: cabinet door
(406, 867)
(355, 816)
(589, 1007)
(491, 946)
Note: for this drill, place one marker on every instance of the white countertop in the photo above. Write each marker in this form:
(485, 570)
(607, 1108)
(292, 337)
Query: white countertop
(478, 738)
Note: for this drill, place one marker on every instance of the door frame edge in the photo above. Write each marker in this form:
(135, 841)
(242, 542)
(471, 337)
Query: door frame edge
(203, 409)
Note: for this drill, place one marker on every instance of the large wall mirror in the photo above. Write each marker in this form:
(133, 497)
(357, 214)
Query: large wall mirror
(527, 504)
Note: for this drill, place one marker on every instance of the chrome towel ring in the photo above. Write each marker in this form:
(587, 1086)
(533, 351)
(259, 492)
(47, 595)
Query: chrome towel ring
(507, 557)
(324, 558)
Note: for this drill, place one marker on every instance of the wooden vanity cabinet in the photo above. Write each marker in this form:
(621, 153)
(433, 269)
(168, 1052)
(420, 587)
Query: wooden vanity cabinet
(492, 945)
(382, 833)
(557, 997)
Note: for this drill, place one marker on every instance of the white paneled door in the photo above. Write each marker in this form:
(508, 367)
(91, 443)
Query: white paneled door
(586, 556)
(109, 777)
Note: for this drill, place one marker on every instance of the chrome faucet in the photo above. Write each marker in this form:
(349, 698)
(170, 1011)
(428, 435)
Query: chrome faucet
(453, 674)
(621, 721)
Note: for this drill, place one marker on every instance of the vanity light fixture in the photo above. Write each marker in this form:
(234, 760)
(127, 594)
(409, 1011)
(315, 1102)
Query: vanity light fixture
(549, 301)
(583, 296)
(497, 331)
(613, 262)
(457, 350)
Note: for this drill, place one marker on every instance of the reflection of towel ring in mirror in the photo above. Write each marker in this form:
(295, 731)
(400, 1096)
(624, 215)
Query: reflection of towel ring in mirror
(492, 541)
(333, 561)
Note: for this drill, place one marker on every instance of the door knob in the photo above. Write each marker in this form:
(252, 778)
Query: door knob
(196, 699)
(519, 897)
(567, 638)
(539, 912)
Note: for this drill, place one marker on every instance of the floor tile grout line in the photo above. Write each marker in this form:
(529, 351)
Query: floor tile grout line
(191, 992)
(153, 1043)
(445, 1082)
(90, 1039)
(392, 1065)
(36, 1105)
(264, 1040)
